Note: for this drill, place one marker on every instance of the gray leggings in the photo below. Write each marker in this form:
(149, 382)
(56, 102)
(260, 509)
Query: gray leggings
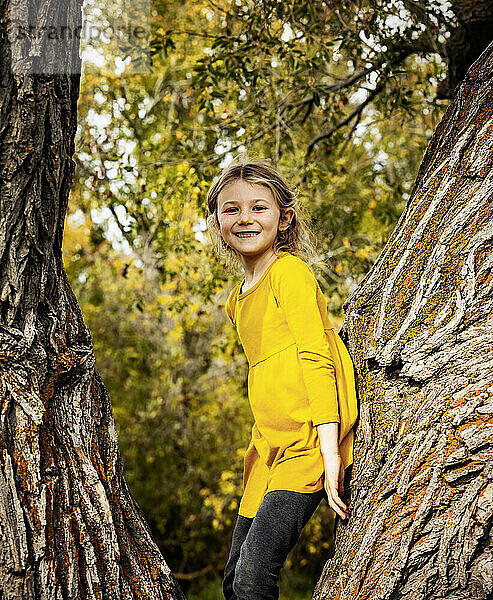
(260, 545)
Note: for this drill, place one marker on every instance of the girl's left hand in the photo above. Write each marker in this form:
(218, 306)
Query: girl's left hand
(334, 483)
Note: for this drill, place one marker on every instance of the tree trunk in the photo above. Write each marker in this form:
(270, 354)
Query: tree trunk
(473, 33)
(69, 527)
(420, 330)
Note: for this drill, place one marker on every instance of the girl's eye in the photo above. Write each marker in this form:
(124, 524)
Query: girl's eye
(259, 206)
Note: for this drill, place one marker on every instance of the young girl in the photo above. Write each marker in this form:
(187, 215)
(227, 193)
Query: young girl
(300, 378)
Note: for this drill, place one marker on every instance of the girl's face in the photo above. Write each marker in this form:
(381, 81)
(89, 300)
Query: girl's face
(249, 217)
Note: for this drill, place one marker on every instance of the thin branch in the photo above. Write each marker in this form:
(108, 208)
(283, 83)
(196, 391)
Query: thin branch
(125, 234)
(307, 113)
(415, 8)
(220, 9)
(345, 121)
(278, 138)
(194, 574)
(336, 87)
(193, 33)
(288, 130)
(350, 134)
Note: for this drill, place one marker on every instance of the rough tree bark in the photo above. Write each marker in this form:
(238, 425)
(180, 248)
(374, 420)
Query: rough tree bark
(420, 330)
(69, 527)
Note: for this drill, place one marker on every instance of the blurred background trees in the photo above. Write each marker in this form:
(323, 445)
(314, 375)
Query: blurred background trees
(343, 98)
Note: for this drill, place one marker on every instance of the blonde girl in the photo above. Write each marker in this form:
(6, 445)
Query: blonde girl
(300, 378)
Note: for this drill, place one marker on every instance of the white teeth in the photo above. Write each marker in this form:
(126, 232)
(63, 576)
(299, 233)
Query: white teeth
(245, 234)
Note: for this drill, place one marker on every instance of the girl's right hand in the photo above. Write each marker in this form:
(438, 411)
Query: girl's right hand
(334, 482)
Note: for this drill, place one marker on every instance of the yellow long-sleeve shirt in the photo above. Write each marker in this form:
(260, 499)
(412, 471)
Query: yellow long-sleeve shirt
(300, 375)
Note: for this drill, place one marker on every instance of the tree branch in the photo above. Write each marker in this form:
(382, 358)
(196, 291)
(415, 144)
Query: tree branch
(345, 121)
(350, 134)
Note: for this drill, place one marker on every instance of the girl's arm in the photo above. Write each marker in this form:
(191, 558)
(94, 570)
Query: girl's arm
(295, 287)
(334, 467)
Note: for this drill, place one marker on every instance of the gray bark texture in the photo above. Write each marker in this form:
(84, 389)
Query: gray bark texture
(420, 330)
(69, 527)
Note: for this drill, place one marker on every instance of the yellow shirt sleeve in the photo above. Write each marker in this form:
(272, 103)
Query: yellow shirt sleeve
(296, 291)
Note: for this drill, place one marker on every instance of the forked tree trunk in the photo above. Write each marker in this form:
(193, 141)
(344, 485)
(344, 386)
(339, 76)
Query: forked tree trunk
(69, 527)
(420, 330)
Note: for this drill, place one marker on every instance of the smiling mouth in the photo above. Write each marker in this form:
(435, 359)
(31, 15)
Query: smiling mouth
(247, 234)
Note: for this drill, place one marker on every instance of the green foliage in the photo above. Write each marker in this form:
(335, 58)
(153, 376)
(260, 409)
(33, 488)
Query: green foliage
(227, 78)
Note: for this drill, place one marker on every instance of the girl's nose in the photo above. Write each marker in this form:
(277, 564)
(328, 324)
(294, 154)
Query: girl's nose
(244, 217)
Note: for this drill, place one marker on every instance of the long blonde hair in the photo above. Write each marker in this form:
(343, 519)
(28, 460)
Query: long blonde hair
(297, 239)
